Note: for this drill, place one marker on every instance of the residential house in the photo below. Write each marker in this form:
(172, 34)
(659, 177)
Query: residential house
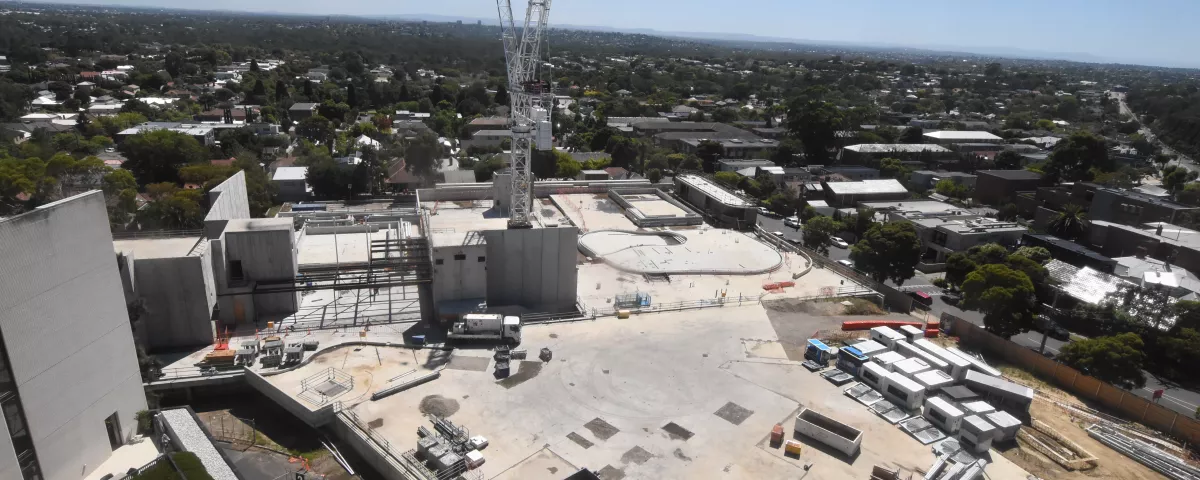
(872, 153)
(292, 184)
(301, 111)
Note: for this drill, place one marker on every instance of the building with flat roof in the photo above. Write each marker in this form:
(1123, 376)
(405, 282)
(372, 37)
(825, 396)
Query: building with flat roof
(735, 164)
(926, 179)
(850, 172)
(946, 137)
(70, 387)
(301, 111)
(1070, 252)
(292, 183)
(487, 138)
(205, 134)
(871, 153)
(715, 201)
(998, 187)
(849, 194)
(1160, 241)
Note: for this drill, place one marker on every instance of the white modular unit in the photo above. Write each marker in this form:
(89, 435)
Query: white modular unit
(910, 350)
(873, 374)
(888, 359)
(933, 380)
(978, 407)
(956, 366)
(910, 367)
(544, 136)
(943, 414)
(839, 436)
(1006, 425)
(887, 336)
(976, 434)
(870, 348)
(911, 333)
(903, 392)
(976, 364)
(483, 322)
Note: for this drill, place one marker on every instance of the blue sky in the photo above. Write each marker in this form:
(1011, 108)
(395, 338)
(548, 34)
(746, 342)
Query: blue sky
(1157, 32)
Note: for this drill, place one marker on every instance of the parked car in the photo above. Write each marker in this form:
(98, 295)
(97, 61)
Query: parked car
(793, 222)
(951, 298)
(766, 213)
(777, 234)
(838, 242)
(846, 262)
(1052, 329)
(921, 297)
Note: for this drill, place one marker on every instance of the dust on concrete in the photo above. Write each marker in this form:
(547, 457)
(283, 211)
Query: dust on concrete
(438, 405)
(680, 455)
(676, 432)
(526, 370)
(610, 472)
(734, 413)
(637, 455)
(601, 429)
(579, 440)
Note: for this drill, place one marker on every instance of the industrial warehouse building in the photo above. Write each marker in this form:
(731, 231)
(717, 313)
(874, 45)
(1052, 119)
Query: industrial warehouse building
(69, 381)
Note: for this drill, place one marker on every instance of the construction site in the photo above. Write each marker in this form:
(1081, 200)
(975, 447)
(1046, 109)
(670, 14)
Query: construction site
(585, 329)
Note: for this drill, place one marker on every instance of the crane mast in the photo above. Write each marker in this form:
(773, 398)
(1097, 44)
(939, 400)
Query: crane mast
(529, 116)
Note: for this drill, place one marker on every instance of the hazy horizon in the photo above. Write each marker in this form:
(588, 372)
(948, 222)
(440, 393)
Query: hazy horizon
(1153, 32)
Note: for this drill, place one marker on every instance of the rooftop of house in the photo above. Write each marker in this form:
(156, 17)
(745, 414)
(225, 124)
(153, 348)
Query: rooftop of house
(964, 135)
(896, 147)
(1011, 174)
(1150, 199)
(290, 173)
(1084, 284)
(490, 121)
(862, 187)
(303, 107)
(1070, 246)
(913, 207)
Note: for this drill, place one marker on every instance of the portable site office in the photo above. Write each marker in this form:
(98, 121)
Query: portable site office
(873, 375)
(956, 366)
(910, 367)
(911, 333)
(1006, 425)
(903, 392)
(911, 351)
(888, 359)
(850, 360)
(887, 336)
(870, 348)
(933, 380)
(976, 364)
(976, 434)
(943, 414)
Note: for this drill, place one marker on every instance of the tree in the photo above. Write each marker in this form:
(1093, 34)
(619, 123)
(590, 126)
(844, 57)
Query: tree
(120, 195)
(952, 189)
(958, 266)
(816, 124)
(782, 204)
(888, 251)
(315, 128)
(654, 175)
(1037, 254)
(253, 65)
(1175, 177)
(1005, 296)
(1074, 158)
(912, 135)
(1117, 359)
(1071, 223)
(709, 152)
(894, 168)
(817, 232)
(501, 97)
(993, 69)
(156, 156)
(1009, 160)
(565, 166)
(1189, 194)
(624, 150)
(171, 208)
(281, 91)
(728, 179)
(351, 96)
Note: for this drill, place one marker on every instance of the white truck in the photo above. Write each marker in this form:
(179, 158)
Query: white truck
(487, 326)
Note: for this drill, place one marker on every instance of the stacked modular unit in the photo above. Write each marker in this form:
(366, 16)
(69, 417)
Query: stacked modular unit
(910, 367)
(850, 360)
(1006, 425)
(978, 407)
(959, 394)
(956, 366)
(903, 392)
(976, 434)
(976, 364)
(911, 351)
(819, 352)
(1000, 391)
(943, 414)
(873, 375)
(888, 359)
(933, 380)
(887, 336)
(870, 348)
(911, 333)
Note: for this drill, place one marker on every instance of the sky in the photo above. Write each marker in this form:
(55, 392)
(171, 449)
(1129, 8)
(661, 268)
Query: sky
(1151, 32)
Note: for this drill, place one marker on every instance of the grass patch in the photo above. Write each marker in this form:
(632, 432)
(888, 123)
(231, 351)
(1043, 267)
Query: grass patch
(271, 212)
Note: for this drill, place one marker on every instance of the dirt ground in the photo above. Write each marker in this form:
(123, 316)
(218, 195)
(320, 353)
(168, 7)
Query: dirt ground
(271, 432)
(1112, 464)
(797, 321)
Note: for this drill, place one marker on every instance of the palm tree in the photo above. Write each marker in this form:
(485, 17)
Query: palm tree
(1071, 223)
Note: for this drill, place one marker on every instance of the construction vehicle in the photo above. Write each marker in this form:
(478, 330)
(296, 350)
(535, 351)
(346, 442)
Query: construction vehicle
(487, 327)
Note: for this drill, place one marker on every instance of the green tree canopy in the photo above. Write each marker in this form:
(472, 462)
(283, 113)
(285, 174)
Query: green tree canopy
(1004, 295)
(817, 231)
(1071, 223)
(888, 251)
(1075, 157)
(1117, 359)
(156, 156)
(816, 124)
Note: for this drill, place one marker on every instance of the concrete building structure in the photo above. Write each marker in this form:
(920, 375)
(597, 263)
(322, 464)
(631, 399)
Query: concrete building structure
(69, 382)
(872, 153)
(292, 184)
(999, 187)
(205, 134)
(715, 202)
(1070, 252)
(170, 281)
(849, 194)
(249, 253)
(1160, 241)
(926, 179)
(943, 235)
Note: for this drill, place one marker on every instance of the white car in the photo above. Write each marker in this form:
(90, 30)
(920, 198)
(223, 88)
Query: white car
(847, 263)
(793, 222)
(838, 242)
(777, 234)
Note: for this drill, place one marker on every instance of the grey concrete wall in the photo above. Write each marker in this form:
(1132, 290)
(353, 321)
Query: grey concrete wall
(358, 440)
(178, 297)
(533, 268)
(64, 324)
(460, 279)
(227, 201)
(314, 418)
(266, 255)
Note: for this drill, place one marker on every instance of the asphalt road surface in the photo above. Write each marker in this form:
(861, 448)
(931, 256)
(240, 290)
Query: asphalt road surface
(1175, 397)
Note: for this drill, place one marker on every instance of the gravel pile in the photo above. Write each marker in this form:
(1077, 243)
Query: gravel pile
(189, 435)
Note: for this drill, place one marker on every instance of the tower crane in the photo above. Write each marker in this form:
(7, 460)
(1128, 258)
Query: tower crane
(530, 98)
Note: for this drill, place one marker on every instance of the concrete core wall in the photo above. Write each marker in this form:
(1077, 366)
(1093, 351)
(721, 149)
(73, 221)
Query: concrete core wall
(534, 268)
(455, 279)
(265, 255)
(227, 201)
(67, 335)
(178, 297)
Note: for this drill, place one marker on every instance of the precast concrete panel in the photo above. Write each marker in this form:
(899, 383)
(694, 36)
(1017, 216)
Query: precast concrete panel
(534, 268)
(178, 300)
(227, 201)
(66, 329)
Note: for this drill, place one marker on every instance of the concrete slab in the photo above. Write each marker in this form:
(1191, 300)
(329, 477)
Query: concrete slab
(134, 454)
(701, 250)
(147, 248)
(459, 222)
(330, 248)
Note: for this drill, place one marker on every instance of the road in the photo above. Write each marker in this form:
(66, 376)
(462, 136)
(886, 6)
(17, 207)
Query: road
(1176, 398)
(1183, 160)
